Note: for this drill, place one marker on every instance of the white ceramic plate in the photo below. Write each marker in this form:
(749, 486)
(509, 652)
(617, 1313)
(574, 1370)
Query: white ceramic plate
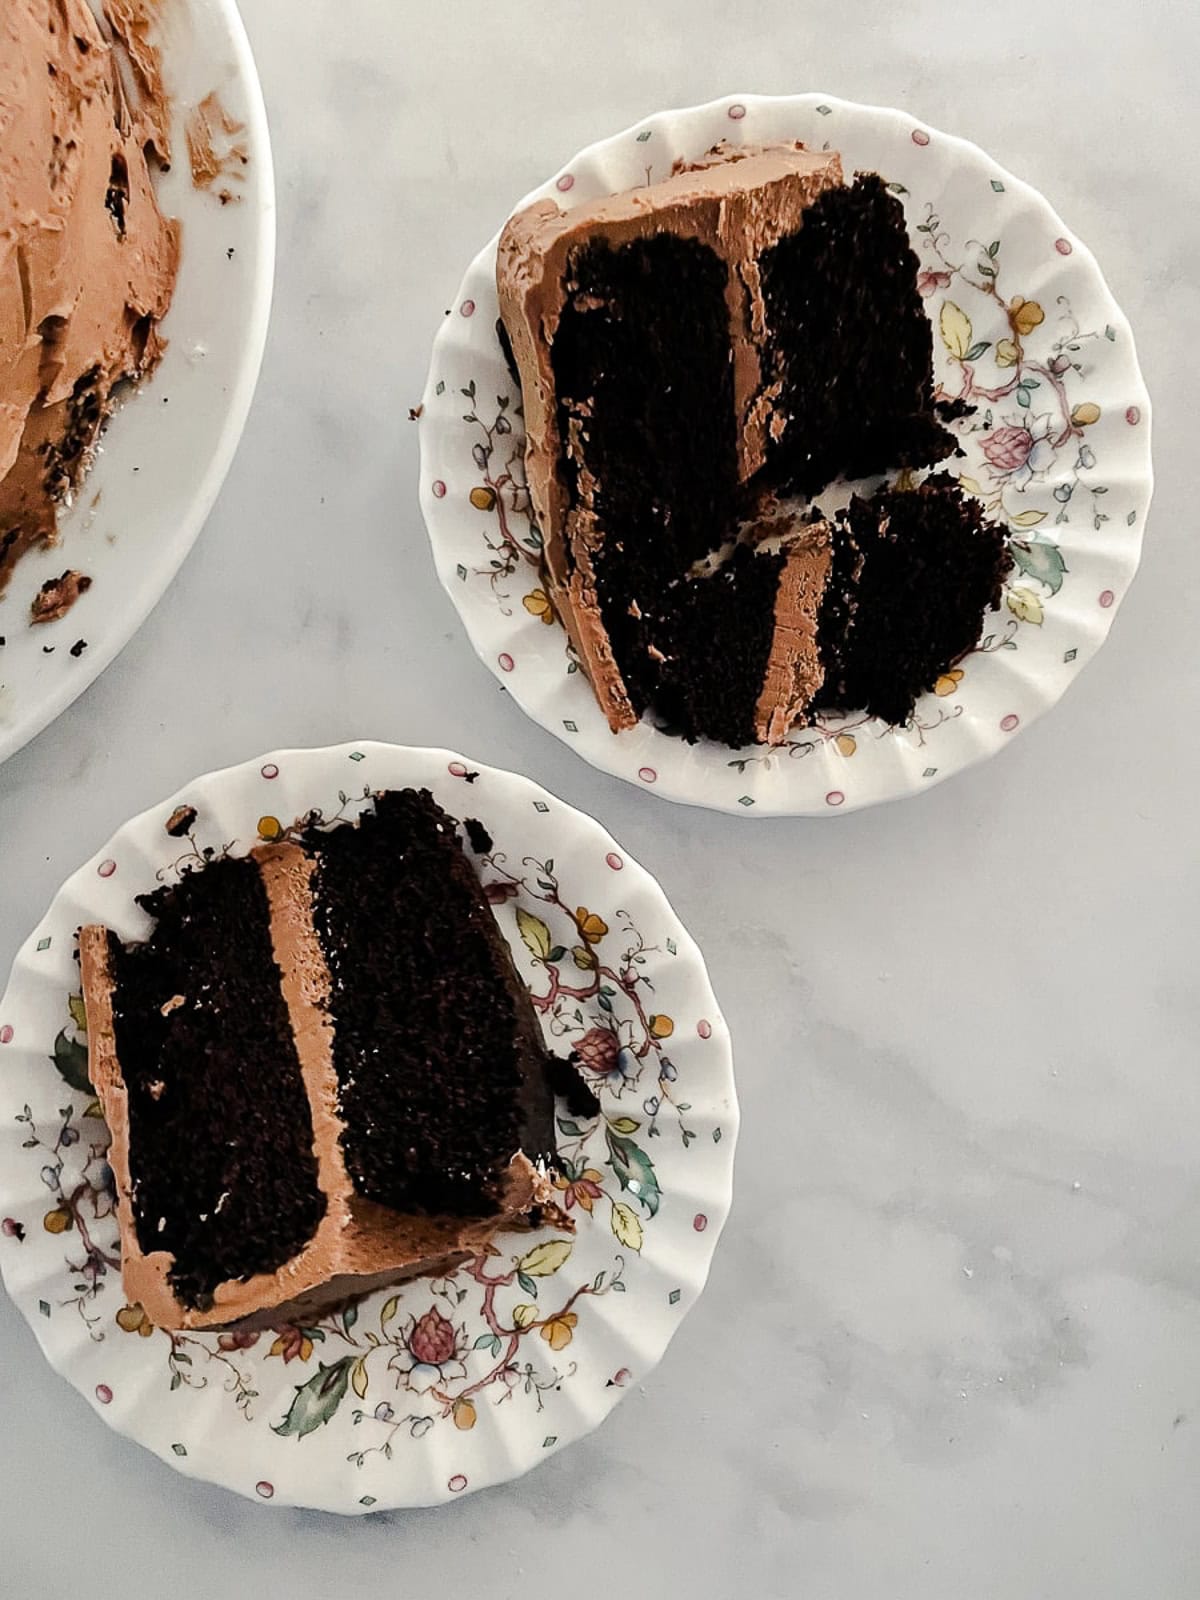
(442, 1386)
(1024, 327)
(165, 453)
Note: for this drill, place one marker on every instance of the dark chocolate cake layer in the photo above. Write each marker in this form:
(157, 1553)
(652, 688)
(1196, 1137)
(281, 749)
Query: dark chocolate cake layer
(930, 565)
(716, 634)
(222, 1167)
(441, 1068)
(645, 398)
(850, 344)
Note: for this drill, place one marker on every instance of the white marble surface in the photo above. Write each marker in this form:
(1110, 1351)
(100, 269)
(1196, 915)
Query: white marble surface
(951, 1346)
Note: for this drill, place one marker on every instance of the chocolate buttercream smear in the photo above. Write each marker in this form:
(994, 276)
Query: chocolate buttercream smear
(215, 152)
(87, 261)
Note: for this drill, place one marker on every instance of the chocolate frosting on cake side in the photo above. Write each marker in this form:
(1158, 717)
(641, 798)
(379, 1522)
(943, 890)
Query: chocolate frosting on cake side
(794, 671)
(87, 261)
(738, 202)
(358, 1245)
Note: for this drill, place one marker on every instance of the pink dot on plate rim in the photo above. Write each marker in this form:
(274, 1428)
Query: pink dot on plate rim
(647, 775)
(457, 1483)
(566, 182)
(1106, 598)
(704, 1028)
(467, 309)
(107, 868)
(506, 661)
(1063, 246)
(103, 1394)
(6, 1033)
(270, 771)
(699, 1222)
(1008, 723)
(439, 489)
(919, 136)
(835, 797)
(1133, 416)
(737, 112)
(457, 770)
(264, 1490)
(614, 861)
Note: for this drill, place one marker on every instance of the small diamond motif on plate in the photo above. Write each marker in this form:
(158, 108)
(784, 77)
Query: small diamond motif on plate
(540, 805)
(672, 947)
(644, 135)
(674, 1296)
(745, 800)
(551, 1438)
(44, 1307)
(1070, 655)
(441, 388)
(367, 1500)
(357, 755)
(462, 571)
(997, 186)
(43, 944)
(824, 111)
(179, 1449)
(929, 772)
(571, 727)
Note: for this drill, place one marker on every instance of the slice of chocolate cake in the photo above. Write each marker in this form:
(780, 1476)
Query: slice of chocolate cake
(734, 655)
(862, 612)
(914, 574)
(632, 322)
(750, 322)
(321, 1072)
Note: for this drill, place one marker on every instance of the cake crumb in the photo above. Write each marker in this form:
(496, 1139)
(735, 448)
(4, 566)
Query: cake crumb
(157, 1089)
(180, 821)
(57, 595)
(173, 1004)
(478, 837)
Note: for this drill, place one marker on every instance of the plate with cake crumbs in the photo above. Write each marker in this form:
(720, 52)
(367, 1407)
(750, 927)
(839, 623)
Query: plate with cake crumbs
(785, 455)
(366, 1127)
(136, 251)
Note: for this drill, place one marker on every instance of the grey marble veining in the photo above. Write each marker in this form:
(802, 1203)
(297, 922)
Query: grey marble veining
(951, 1345)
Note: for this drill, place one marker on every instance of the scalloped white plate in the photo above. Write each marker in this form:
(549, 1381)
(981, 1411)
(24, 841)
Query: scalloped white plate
(1059, 448)
(418, 1394)
(165, 453)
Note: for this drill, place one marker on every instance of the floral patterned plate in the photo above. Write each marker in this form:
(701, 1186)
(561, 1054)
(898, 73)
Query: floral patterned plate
(1058, 447)
(420, 1393)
